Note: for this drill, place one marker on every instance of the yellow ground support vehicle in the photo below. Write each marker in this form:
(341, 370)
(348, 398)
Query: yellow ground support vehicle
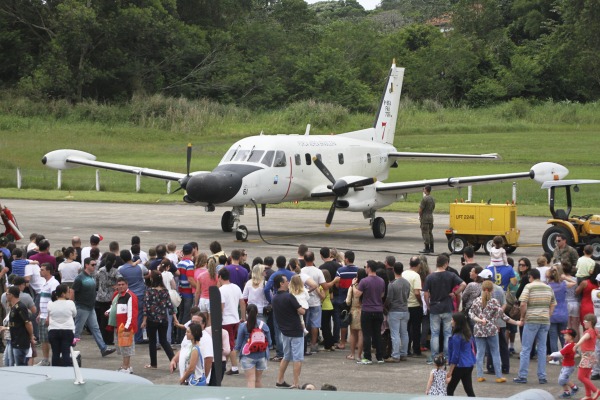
(579, 230)
(476, 224)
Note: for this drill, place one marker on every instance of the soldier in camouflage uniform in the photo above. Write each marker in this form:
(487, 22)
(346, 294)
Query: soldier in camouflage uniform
(563, 251)
(426, 216)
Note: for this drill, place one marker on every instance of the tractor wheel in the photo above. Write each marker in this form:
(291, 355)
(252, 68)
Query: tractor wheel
(595, 243)
(488, 245)
(510, 249)
(549, 238)
(457, 244)
(476, 246)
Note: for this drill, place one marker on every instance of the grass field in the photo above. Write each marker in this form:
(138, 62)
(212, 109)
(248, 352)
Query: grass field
(154, 134)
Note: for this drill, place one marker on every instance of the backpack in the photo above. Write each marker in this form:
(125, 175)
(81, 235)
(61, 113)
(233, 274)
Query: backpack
(257, 342)
(513, 309)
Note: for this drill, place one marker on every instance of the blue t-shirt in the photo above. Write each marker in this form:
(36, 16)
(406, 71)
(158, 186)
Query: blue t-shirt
(503, 275)
(18, 267)
(561, 313)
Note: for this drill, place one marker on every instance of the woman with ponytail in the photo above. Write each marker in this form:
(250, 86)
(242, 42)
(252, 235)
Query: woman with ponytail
(253, 360)
(484, 313)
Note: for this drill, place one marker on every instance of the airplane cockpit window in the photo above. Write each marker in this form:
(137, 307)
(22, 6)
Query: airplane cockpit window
(256, 155)
(308, 159)
(298, 159)
(268, 158)
(241, 155)
(369, 158)
(341, 158)
(229, 155)
(280, 159)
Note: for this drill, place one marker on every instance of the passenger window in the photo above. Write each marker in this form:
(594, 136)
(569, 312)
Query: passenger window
(298, 159)
(280, 159)
(308, 159)
(241, 155)
(369, 158)
(341, 158)
(268, 158)
(256, 155)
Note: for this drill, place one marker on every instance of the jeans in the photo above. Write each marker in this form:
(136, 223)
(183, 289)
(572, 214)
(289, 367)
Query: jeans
(8, 359)
(414, 328)
(436, 322)
(554, 335)
(370, 324)
(398, 322)
(533, 332)
(61, 341)
(19, 356)
(504, 353)
(152, 328)
(139, 335)
(278, 338)
(88, 317)
(491, 342)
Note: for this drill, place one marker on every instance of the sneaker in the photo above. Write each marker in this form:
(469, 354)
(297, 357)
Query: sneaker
(380, 361)
(512, 350)
(391, 360)
(108, 351)
(500, 380)
(125, 370)
(314, 349)
(565, 395)
(543, 381)
(232, 372)
(574, 390)
(43, 363)
(365, 361)
(481, 379)
(554, 362)
(283, 385)
(519, 380)
(429, 360)
(403, 358)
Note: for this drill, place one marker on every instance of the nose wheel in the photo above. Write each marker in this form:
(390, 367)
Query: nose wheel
(241, 233)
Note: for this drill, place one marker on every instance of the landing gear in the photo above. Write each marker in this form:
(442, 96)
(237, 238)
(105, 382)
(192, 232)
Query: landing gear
(231, 219)
(377, 224)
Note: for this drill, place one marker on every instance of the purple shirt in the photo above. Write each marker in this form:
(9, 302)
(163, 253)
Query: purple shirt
(372, 288)
(237, 275)
(44, 258)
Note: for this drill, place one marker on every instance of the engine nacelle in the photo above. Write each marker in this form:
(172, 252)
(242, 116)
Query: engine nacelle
(57, 159)
(363, 199)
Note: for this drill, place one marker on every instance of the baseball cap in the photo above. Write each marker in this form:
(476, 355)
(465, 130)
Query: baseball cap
(187, 248)
(570, 332)
(485, 274)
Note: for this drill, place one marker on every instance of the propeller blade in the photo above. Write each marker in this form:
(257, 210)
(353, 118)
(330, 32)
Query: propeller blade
(323, 169)
(363, 182)
(189, 158)
(330, 214)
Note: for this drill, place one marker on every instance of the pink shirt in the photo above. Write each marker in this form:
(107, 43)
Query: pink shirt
(205, 283)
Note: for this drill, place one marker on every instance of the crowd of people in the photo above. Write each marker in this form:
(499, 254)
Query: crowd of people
(282, 310)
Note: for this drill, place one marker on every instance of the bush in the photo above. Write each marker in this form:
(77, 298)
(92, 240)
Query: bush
(323, 115)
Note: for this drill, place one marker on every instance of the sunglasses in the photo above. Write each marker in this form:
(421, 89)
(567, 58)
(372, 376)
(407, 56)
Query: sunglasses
(522, 265)
(93, 264)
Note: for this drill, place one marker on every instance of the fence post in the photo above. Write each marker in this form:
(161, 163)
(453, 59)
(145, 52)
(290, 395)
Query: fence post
(97, 180)
(469, 193)
(137, 183)
(514, 192)
(59, 179)
(18, 178)
(168, 187)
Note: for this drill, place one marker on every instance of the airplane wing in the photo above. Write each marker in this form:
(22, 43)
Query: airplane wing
(66, 159)
(442, 156)
(541, 172)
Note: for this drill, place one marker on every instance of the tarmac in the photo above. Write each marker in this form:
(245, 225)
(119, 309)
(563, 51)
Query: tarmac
(284, 229)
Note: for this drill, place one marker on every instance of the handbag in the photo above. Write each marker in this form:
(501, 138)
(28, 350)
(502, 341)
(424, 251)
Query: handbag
(194, 380)
(124, 337)
(175, 297)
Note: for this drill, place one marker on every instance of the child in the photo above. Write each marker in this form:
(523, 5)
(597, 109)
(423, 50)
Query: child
(568, 363)
(301, 294)
(497, 253)
(588, 356)
(436, 386)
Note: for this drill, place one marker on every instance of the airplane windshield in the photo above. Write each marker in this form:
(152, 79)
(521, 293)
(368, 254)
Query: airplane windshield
(268, 158)
(256, 155)
(241, 155)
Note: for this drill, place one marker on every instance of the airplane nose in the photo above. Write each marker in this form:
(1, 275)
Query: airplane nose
(215, 187)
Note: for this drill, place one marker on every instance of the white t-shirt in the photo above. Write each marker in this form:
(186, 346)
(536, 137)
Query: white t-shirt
(543, 271)
(167, 278)
(230, 297)
(85, 253)
(317, 275)
(255, 296)
(62, 315)
(36, 281)
(206, 348)
(69, 270)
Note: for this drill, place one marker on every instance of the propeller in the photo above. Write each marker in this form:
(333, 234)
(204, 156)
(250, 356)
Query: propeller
(183, 181)
(339, 187)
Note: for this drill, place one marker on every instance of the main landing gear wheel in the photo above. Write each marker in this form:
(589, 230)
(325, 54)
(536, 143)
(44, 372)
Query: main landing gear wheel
(227, 221)
(457, 244)
(241, 233)
(379, 228)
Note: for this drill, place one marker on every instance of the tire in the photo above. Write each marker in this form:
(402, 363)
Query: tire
(488, 245)
(379, 228)
(549, 238)
(457, 244)
(227, 221)
(595, 243)
(510, 249)
(476, 246)
(241, 233)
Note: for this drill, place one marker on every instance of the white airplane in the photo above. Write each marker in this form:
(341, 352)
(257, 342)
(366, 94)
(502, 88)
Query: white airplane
(347, 168)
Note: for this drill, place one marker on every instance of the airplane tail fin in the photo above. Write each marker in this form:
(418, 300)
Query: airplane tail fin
(385, 123)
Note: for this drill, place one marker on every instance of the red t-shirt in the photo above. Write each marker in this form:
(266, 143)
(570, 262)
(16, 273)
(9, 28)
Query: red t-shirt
(590, 344)
(568, 353)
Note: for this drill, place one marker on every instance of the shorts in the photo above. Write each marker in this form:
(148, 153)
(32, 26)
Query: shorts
(43, 336)
(247, 363)
(293, 348)
(565, 374)
(313, 317)
(204, 305)
(573, 309)
(124, 351)
(232, 330)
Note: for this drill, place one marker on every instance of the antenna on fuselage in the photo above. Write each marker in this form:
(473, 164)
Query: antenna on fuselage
(307, 131)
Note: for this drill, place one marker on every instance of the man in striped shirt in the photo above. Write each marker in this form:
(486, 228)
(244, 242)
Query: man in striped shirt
(537, 304)
(186, 282)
